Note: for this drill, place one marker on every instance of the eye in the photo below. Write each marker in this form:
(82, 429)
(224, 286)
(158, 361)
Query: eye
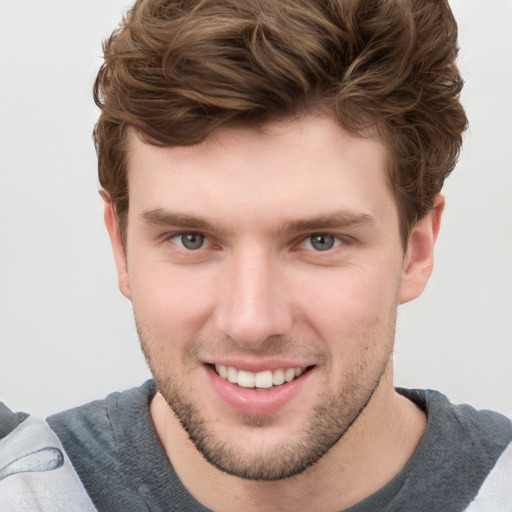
(189, 241)
(321, 242)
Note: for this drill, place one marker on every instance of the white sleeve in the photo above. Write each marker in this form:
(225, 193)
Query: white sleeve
(495, 494)
(36, 474)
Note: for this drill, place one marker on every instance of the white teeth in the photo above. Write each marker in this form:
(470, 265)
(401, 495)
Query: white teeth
(245, 379)
(278, 377)
(232, 375)
(289, 374)
(262, 380)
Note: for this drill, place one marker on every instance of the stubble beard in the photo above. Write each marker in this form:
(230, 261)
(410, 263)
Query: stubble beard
(328, 423)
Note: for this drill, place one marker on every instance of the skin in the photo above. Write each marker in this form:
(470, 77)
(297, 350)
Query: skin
(258, 294)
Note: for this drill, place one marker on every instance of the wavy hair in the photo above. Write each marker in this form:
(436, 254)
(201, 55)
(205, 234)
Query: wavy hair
(175, 70)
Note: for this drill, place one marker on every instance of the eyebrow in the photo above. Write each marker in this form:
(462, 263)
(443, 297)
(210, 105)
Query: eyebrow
(335, 220)
(161, 217)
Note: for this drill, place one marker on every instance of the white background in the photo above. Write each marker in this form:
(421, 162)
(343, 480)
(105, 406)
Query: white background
(66, 333)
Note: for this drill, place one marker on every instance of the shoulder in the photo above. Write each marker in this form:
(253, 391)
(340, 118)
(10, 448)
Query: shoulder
(92, 434)
(118, 456)
(34, 468)
(470, 426)
(460, 450)
(115, 451)
(496, 490)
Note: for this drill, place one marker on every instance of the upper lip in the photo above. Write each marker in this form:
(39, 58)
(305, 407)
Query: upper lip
(258, 366)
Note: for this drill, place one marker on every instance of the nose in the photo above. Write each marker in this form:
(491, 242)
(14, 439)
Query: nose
(253, 305)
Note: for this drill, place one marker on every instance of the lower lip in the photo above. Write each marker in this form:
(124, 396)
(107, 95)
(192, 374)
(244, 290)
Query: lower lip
(256, 401)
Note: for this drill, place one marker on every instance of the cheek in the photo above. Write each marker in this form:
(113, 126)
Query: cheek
(352, 304)
(170, 302)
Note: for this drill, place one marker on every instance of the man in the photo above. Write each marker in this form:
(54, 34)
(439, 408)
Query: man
(271, 174)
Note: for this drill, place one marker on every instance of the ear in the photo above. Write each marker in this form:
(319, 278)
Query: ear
(419, 257)
(112, 225)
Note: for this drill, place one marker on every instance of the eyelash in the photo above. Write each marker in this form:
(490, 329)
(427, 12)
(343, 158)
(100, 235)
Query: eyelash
(177, 239)
(172, 237)
(336, 240)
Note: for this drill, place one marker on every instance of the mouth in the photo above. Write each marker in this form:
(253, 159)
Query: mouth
(259, 380)
(262, 392)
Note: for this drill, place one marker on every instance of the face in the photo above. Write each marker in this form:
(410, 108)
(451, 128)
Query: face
(265, 269)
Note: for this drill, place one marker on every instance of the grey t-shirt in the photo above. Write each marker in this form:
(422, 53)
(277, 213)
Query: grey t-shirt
(120, 461)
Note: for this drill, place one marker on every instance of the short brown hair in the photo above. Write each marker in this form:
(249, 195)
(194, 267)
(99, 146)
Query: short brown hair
(177, 69)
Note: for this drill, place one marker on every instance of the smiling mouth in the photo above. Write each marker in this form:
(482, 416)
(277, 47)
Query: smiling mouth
(260, 380)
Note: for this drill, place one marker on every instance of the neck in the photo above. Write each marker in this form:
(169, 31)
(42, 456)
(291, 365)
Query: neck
(371, 453)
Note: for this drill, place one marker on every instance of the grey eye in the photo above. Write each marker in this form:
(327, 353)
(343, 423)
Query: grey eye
(322, 242)
(192, 241)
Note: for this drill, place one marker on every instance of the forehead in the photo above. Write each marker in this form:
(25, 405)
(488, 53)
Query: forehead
(290, 167)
